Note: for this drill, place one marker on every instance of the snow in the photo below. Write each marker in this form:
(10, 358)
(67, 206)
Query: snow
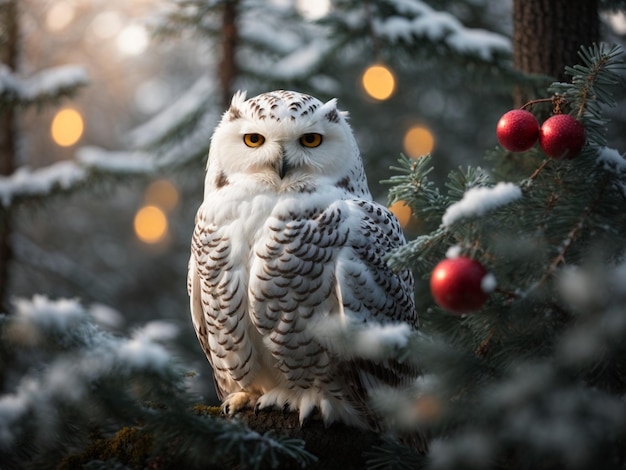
(370, 340)
(106, 316)
(453, 252)
(478, 201)
(374, 339)
(469, 450)
(47, 83)
(12, 408)
(425, 22)
(84, 355)
(157, 330)
(140, 353)
(301, 63)
(65, 175)
(612, 159)
(52, 82)
(25, 182)
(191, 103)
(488, 283)
(121, 162)
(45, 314)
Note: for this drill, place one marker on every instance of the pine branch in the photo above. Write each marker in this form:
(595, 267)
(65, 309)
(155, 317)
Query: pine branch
(92, 380)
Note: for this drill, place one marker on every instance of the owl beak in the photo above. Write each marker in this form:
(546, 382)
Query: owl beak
(284, 168)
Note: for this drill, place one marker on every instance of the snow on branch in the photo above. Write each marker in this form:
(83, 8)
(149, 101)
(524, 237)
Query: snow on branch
(87, 355)
(32, 183)
(612, 159)
(301, 63)
(46, 85)
(25, 183)
(421, 21)
(478, 201)
(369, 341)
(190, 104)
(115, 162)
(54, 82)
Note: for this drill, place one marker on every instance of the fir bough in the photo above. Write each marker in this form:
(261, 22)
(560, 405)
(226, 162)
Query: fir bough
(74, 395)
(535, 379)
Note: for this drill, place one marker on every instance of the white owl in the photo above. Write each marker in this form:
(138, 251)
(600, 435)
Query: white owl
(288, 235)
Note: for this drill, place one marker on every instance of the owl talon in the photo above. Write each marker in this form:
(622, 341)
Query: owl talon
(286, 407)
(238, 401)
(257, 409)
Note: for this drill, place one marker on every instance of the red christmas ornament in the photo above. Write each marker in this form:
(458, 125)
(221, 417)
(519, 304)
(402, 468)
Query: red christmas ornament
(562, 136)
(456, 284)
(517, 130)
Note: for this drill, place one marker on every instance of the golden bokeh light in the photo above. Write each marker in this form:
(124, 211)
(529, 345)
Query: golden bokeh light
(150, 224)
(162, 193)
(418, 141)
(378, 82)
(67, 127)
(60, 15)
(402, 212)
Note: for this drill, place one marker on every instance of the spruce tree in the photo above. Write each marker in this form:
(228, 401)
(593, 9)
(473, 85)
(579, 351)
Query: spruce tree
(534, 377)
(531, 377)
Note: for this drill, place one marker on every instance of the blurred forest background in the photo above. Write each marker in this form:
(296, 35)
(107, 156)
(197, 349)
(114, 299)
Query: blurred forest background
(159, 73)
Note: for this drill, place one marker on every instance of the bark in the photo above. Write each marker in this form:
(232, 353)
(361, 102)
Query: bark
(228, 69)
(547, 35)
(336, 447)
(9, 38)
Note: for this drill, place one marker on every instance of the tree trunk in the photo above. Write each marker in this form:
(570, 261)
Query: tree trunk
(547, 35)
(9, 39)
(228, 69)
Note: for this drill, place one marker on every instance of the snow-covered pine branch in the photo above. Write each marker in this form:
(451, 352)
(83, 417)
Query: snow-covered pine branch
(67, 378)
(47, 85)
(419, 21)
(476, 202)
(65, 176)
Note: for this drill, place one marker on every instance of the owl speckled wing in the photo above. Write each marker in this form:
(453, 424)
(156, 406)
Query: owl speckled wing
(328, 262)
(286, 237)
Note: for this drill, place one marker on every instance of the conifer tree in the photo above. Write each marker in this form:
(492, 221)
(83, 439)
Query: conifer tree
(529, 374)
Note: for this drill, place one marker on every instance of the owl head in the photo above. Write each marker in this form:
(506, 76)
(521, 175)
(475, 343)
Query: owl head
(284, 141)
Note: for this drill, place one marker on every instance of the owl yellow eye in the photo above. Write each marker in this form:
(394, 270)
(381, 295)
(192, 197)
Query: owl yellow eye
(253, 140)
(311, 140)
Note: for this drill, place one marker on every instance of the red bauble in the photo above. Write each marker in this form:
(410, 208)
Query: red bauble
(456, 284)
(562, 136)
(517, 130)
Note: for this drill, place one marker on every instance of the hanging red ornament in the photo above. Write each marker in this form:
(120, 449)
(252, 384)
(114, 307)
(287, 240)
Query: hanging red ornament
(562, 136)
(517, 130)
(458, 284)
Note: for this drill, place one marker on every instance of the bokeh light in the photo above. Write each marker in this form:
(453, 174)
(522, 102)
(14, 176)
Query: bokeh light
(60, 15)
(163, 194)
(67, 127)
(150, 224)
(313, 9)
(133, 40)
(378, 82)
(402, 212)
(418, 141)
(107, 25)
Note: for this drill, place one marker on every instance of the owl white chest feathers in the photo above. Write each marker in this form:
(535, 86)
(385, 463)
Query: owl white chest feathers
(287, 236)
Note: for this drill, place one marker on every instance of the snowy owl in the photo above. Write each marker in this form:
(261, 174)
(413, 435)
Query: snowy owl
(287, 236)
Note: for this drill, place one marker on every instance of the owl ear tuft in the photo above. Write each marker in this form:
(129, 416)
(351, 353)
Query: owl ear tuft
(233, 113)
(330, 111)
(238, 98)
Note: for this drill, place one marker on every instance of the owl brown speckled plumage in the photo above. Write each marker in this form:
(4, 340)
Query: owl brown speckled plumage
(288, 235)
